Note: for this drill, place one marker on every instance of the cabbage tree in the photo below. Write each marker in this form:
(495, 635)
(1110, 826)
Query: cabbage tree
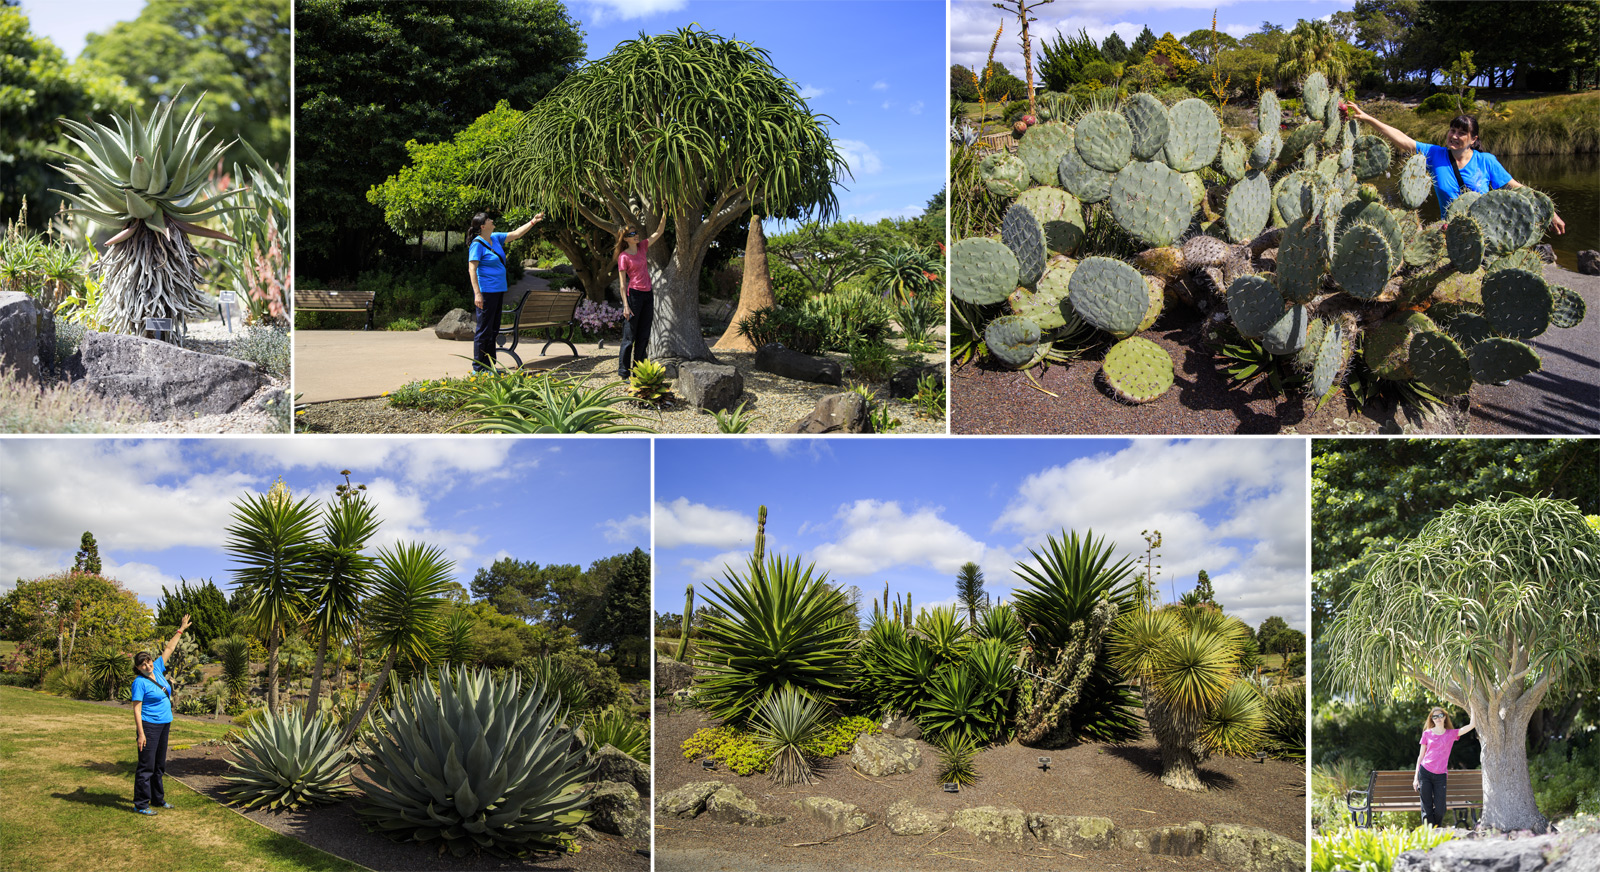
(1491, 607)
(687, 132)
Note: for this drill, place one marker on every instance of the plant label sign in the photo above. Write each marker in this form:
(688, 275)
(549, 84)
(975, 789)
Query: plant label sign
(158, 328)
(228, 306)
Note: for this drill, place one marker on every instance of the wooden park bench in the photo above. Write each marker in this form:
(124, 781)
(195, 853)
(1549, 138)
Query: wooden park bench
(335, 301)
(1390, 790)
(555, 312)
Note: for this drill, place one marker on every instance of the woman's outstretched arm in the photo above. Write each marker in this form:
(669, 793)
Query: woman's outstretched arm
(1466, 729)
(1404, 142)
(521, 231)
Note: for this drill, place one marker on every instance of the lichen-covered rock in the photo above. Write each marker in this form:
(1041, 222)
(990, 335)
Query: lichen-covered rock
(615, 808)
(1178, 840)
(611, 764)
(687, 801)
(904, 819)
(837, 816)
(1553, 853)
(730, 806)
(993, 825)
(1072, 832)
(1252, 849)
(877, 754)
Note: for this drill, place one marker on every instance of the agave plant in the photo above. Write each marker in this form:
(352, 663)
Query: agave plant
(477, 765)
(548, 404)
(969, 700)
(1000, 622)
(783, 724)
(285, 761)
(109, 667)
(621, 730)
(649, 382)
(564, 683)
(143, 178)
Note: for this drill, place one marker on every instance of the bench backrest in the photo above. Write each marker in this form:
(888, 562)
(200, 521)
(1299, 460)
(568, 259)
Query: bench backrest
(311, 299)
(549, 307)
(1391, 789)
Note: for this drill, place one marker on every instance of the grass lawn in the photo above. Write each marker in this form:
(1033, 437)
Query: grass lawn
(66, 772)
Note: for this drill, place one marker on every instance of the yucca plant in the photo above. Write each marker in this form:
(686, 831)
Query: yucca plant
(957, 761)
(108, 667)
(962, 703)
(616, 727)
(234, 652)
(143, 178)
(780, 625)
(1237, 725)
(649, 382)
(285, 761)
(895, 668)
(784, 723)
(1001, 623)
(558, 680)
(475, 765)
(944, 632)
(1286, 721)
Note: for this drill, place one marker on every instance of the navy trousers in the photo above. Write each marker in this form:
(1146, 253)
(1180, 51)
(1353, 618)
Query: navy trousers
(636, 332)
(147, 787)
(483, 334)
(1430, 789)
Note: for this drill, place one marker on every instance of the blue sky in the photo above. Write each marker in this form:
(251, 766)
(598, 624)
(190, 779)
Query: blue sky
(910, 511)
(972, 22)
(159, 508)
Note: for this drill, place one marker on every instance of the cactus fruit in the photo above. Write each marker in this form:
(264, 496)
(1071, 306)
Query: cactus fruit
(1041, 149)
(1233, 158)
(1203, 251)
(1500, 360)
(1024, 235)
(982, 271)
(1060, 215)
(1288, 334)
(1166, 262)
(1004, 174)
(1269, 115)
(1296, 196)
(1110, 295)
(1248, 207)
(1569, 308)
(1463, 240)
(1301, 261)
(1415, 182)
(1137, 370)
(1147, 120)
(1517, 303)
(1104, 140)
(1333, 354)
(1439, 363)
(1254, 304)
(1193, 135)
(1509, 220)
(1151, 202)
(1314, 92)
(1085, 182)
(1013, 339)
(1361, 261)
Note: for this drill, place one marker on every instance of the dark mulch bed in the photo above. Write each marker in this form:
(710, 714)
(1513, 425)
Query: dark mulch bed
(339, 831)
(1120, 783)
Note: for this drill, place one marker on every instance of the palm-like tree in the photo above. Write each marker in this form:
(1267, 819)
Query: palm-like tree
(402, 615)
(1187, 664)
(273, 541)
(901, 271)
(1311, 46)
(969, 590)
(342, 575)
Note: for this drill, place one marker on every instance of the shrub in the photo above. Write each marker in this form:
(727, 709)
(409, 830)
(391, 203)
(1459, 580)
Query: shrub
(404, 325)
(850, 316)
(430, 394)
(1361, 849)
(1443, 101)
(956, 761)
(73, 683)
(872, 360)
(742, 753)
(796, 329)
(519, 402)
(25, 407)
(266, 347)
(1566, 778)
(620, 730)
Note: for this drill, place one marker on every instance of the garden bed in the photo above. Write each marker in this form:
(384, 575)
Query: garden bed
(1117, 782)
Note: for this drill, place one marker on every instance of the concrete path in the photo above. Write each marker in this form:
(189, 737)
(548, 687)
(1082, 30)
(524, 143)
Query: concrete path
(1564, 396)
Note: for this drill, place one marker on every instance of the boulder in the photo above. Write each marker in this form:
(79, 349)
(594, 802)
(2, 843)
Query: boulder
(902, 727)
(728, 805)
(780, 361)
(879, 755)
(613, 765)
(903, 384)
(905, 819)
(1072, 832)
(565, 269)
(166, 381)
(19, 335)
(993, 825)
(687, 801)
(1252, 849)
(459, 325)
(673, 676)
(1589, 262)
(709, 385)
(1178, 840)
(615, 808)
(835, 413)
(1569, 852)
(838, 817)
(1546, 252)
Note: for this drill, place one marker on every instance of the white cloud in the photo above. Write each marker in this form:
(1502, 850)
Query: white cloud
(714, 568)
(915, 108)
(874, 216)
(141, 578)
(880, 85)
(808, 92)
(887, 105)
(859, 156)
(441, 462)
(879, 535)
(681, 523)
(816, 449)
(633, 528)
(627, 10)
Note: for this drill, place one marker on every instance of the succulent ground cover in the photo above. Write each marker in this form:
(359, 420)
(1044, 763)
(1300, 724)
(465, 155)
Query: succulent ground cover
(1113, 214)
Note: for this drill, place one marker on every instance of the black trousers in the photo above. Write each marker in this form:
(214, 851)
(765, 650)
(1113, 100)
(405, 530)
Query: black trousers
(1430, 789)
(636, 332)
(487, 328)
(147, 787)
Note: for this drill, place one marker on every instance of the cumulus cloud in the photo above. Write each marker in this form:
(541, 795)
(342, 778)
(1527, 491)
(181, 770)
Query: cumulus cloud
(716, 567)
(634, 528)
(682, 522)
(860, 156)
(915, 108)
(606, 11)
(911, 210)
(880, 85)
(816, 449)
(877, 535)
(807, 92)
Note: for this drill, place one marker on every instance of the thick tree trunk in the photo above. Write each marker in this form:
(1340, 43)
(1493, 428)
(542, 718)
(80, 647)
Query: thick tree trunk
(755, 291)
(676, 332)
(1508, 802)
(316, 678)
(1181, 754)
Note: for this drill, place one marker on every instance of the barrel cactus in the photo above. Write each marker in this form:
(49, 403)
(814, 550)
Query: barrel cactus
(478, 764)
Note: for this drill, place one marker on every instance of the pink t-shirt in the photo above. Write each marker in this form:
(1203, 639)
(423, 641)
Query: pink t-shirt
(636, 265)
(1436, 749)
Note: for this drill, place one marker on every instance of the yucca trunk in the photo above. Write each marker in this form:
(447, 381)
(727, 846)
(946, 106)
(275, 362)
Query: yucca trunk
(372, 697)
(316, 677)
(755, 290)
(272, 670)
(1177, 734)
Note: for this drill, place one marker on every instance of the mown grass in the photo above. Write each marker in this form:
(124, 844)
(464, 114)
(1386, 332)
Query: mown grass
(1557, 124)
(66, 772)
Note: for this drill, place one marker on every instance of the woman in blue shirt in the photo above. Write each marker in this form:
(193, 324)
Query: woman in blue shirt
(1455, 164)
(486, 268)
(152, 720)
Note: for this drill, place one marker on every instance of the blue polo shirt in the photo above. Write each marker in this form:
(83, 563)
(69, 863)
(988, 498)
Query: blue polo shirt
(1483, 173)
(157, 705)
(491, 260)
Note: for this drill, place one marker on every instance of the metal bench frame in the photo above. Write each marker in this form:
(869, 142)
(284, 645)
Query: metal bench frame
(1463, 795)
(317, 301)
(555, 312)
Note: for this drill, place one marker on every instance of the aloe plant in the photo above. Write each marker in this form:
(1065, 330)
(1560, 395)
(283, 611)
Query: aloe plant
(475, 765)
(286, 761)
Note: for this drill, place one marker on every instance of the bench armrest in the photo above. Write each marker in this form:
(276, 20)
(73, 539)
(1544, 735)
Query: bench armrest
(1366, 801)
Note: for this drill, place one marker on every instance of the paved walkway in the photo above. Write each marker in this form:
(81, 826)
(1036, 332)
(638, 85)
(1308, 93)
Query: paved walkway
(1564, 396)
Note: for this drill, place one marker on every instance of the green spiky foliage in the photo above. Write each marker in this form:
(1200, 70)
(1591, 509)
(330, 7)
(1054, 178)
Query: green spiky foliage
(614, 726)
(1084, 181)
(1248, 207)
(1000, 622)
(475, 765)
(957, 761)
(782, 726)
(1059, 213)
(1416, 183)
(1150, 200)
(1046, 717)
(895, 667)
(401, 616)
(971, 698)
(1193, 137)
(287, 761)
(943, 631)
(780, 625)
(144, 177)
(273, 542)
(1254, 304)
(1568, 309)
(340, 575)
(1024, 235)
(234, 652)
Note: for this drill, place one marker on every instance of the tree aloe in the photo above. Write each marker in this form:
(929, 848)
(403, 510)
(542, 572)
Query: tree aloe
(272, 539)
(402, 614)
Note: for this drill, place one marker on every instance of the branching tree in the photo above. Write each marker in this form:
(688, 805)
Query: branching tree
(1491, 607)
(273, 542)
(687, 132)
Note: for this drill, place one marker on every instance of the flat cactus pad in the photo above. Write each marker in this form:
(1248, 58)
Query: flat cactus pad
(1254, 304)
(1517, 302)
(982, 271)
(1151, 202)
(1110, 295)
(1024, 235)
(1013, 339)
(1104, 140)
(1193, 136)
(1041, 149)
(1499, 360)
(1138, 370)
(1085, 182)
(1147, 119)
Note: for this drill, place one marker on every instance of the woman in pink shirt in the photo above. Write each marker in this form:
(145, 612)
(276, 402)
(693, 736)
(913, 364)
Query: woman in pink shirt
(1439, 735)
(638, 303)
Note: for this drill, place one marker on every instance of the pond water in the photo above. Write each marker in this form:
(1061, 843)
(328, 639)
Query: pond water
(1573, 181)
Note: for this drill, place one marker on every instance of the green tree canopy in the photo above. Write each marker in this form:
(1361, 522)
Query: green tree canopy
(1560, 45)
(1063, 61)
(203, 603)
(1142, 44)
(88, 558)
(963, 88)
(371, 77)
(1114, 50)
(54, 612)
(622, 618)
(1311, 46)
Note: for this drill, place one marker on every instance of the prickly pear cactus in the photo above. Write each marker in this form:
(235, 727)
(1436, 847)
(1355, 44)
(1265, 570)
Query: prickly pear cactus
(982, 271)
(1110, 295)
(1004, 174)
(1138, 370)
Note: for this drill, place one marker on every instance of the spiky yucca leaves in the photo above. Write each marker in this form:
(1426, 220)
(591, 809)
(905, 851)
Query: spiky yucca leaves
(896, 668)
(616, 727)
(108, 667)
(273, 540)
(284, 761)
(476, 765)
(649, 382)
(956, 761)
(1000, 622)
(1286, 721)
(780, 625)
(972, 698)
(944, 632)
(558, 680)
(1237, 725)
(1045, 716)
(783, 724)
(234, 652)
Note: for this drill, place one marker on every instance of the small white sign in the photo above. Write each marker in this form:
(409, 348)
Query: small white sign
(158, 325)
(228, 297)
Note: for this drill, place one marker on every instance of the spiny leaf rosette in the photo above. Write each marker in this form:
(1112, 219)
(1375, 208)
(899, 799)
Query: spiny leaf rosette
(143, 177)
(284, 762)
(476, 765)
(1302, 257)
